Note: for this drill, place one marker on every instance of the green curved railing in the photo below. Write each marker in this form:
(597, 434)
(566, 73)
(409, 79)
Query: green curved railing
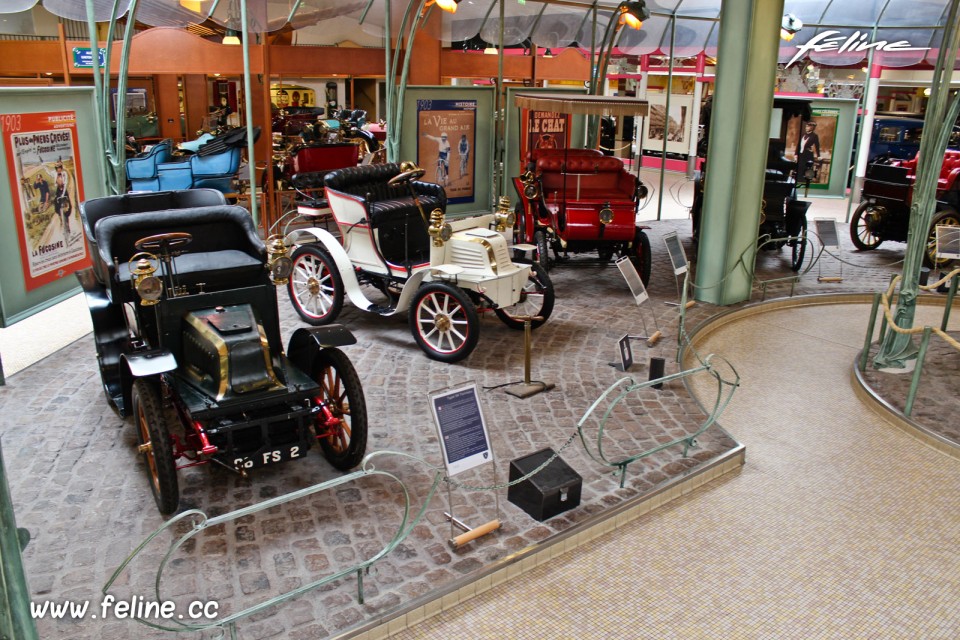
(200, 521)
(16, 623)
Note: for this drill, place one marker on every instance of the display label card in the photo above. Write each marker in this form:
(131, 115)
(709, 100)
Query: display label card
(948, 242)
(633, 280)
(626, 353)
(677, 256)
(827, 231)
(463, 432)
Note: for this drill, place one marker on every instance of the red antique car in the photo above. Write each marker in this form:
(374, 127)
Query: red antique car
(579, 200)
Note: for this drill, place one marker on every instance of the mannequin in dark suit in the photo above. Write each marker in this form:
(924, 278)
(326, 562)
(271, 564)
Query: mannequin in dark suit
(808, 152)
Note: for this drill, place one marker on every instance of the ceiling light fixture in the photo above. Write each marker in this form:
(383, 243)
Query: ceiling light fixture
(192, 5)
(548, 53)
(230, 37)
(633, 14)
(491, 51)
(789, 27)
(450, 6)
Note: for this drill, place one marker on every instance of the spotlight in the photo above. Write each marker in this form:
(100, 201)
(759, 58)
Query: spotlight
(790, 25)
(450, 6)
(633, 13)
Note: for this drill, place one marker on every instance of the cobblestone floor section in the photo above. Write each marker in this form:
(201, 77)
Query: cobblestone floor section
(80, 489)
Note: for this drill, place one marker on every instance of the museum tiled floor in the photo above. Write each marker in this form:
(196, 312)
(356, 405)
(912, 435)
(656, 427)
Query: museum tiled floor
(838, 525)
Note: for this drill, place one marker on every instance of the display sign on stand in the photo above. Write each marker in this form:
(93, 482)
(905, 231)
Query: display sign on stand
(639, 292)
(678, 258)
(948, 242)
(626, 354)
(827, 232)
(830, 239)
(465, 444)
(461, 427)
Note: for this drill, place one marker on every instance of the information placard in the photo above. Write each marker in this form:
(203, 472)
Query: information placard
(633, 280)
(827, 231)
(677, 256)
(463, 432)
(948, 242)
(626, 353)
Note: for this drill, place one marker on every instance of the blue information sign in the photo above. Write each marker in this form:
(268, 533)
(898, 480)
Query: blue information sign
(83, 57)
(463, 432)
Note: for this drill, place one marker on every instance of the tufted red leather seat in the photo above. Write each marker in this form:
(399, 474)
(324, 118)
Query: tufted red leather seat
(949, 171)
(585, 177)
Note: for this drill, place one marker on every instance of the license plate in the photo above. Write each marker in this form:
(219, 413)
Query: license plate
(270, 456)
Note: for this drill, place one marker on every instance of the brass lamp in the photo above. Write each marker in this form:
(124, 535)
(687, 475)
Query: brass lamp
(147, 285)
(278, 262)
(503, 216)
(439, 230)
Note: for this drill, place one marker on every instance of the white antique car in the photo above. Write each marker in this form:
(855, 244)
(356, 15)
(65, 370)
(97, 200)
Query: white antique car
(441, 272)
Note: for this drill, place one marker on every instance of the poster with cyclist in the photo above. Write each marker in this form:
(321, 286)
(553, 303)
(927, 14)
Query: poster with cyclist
(43, 157)
(446, 137)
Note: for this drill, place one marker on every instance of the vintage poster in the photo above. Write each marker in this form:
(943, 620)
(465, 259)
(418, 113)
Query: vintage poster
(676, 126)
(446, 141)
(812, 147)
(43, 156)
(543, 130)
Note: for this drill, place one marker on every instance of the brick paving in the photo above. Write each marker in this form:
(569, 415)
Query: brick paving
(80, 489)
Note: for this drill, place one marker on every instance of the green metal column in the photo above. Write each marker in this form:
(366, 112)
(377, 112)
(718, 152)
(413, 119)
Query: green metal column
(16, 622)
(742, 104)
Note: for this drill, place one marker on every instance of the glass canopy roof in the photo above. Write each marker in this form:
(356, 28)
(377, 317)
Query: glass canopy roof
(690, 26)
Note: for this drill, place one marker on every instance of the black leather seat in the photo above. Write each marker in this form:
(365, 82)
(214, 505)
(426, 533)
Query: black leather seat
(391, 211)
(225, 252)
(91, 211)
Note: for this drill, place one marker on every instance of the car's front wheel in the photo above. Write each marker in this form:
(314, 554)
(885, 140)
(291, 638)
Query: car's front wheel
(543, 249)
(799, 247)
(536, 300)
(315, 286)
(864, 225)
(342, 427)
(153, 438)
(640, 255)
(444, 322)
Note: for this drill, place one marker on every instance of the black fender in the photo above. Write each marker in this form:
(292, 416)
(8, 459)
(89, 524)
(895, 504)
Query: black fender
(307, 342)
(110, 335)
(142, 365)
(351, 133)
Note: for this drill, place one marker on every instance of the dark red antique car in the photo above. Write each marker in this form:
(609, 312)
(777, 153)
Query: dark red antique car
(579, 200)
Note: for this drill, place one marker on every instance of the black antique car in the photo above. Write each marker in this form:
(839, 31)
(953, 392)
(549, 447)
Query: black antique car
(886, 198)
(182, 293)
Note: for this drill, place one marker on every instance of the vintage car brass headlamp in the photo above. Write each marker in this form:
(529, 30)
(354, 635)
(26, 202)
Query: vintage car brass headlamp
(407, 165)
(278, 262)
(148, 286)
(606, 214)
(530, 188)
(503, 216)
(439, 230)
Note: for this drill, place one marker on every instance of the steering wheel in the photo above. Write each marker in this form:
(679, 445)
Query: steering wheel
(163, 241)
(406, 176)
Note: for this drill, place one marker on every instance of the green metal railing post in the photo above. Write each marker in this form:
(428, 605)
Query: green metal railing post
(915, 382)
(864, 355)
(951, 294)
(16, 623)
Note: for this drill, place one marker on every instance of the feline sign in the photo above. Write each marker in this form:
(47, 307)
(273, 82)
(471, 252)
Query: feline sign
(835, 41)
